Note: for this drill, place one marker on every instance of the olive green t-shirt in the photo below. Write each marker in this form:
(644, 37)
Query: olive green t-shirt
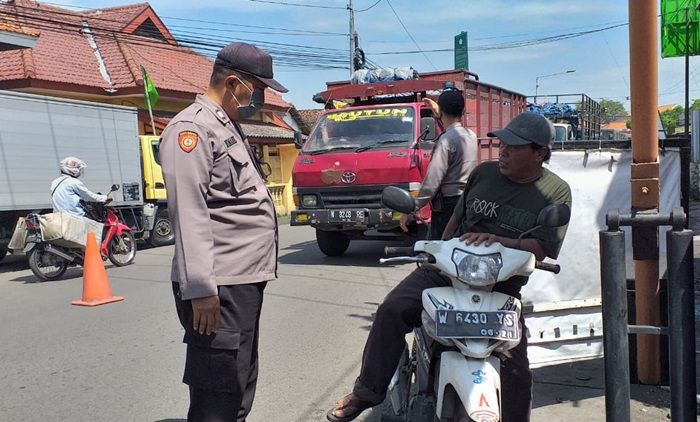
(491, 203)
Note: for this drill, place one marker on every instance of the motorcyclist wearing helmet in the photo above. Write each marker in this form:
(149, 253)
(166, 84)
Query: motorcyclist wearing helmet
(68, 190)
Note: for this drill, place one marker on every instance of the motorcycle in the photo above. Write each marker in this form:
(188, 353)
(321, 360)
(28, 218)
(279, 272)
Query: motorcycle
(452, 373)
(50, 261)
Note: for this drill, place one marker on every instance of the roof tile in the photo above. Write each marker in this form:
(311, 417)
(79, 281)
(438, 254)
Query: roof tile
(63, 52)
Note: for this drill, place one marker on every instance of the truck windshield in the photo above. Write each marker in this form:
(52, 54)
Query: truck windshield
(362, 130)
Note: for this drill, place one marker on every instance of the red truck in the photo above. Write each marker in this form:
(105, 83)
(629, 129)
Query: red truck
(384, 137)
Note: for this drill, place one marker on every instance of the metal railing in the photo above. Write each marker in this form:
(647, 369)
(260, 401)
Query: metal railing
(681, 316)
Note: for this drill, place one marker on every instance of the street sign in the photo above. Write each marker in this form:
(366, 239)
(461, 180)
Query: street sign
(461, 54)
(673, 30)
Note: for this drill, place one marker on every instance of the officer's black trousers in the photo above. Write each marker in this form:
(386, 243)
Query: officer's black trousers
(222, 369)
(439, 219)
(400, 313)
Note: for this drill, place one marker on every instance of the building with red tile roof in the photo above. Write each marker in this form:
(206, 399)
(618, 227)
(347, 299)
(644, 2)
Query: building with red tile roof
(13, 36)
(97, 55)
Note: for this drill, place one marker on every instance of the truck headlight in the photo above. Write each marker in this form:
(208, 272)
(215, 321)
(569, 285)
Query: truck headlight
(309, 201)
(477, 270)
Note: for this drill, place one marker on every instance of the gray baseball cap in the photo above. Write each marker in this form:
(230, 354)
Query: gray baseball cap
(250, 60)
(526, 128)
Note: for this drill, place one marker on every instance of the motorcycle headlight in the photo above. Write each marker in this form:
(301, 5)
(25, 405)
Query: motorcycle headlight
(477, 270)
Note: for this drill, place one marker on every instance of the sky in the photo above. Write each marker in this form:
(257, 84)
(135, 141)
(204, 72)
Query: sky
(600, 59)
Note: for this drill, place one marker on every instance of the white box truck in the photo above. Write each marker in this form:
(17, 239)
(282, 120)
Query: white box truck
(36, 132)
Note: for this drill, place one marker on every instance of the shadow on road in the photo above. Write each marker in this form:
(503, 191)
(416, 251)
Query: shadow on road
(172, 420)
(360, 253)
(12, 263)
(575, 382)
(32, 279)
(366, 318)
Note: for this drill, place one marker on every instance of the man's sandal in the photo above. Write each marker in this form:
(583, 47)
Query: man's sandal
(348, 403)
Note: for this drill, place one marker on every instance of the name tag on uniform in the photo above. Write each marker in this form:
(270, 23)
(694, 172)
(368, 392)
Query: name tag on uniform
(230, 141)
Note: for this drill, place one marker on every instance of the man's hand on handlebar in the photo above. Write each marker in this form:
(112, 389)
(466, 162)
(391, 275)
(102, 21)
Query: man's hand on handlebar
(477, 239)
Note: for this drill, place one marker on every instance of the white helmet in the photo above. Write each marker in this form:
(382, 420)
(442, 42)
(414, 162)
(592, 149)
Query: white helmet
(72, 166)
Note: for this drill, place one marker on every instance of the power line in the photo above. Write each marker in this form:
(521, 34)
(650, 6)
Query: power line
(227, 24)
(300, 31)
(409, 34)
(41, 17)
(296, 56)
(546, 32)
(368, 8)
(512, 44)
(617, 65)
(298, 4)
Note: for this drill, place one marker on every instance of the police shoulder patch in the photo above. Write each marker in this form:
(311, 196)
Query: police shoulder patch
(187, 140)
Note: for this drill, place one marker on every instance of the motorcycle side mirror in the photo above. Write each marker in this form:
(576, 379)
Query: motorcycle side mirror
(298, 141)
(398, 199)
(429, 132)
(114, 188)
(554, 215)
(266, 169)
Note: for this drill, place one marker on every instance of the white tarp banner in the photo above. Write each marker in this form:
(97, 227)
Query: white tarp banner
(565, 323)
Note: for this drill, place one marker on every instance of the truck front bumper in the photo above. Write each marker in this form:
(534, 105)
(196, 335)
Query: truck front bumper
(350, 218)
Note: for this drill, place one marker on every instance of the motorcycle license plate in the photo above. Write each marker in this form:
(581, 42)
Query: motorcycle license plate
(498, 325)
(346, 216)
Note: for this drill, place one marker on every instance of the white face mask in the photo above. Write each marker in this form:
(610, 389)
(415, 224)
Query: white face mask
(256, 103)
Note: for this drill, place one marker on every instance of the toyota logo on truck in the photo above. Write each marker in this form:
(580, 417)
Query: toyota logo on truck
(348, 177)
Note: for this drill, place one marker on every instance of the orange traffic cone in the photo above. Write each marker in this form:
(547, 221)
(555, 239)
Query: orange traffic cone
(96, 289)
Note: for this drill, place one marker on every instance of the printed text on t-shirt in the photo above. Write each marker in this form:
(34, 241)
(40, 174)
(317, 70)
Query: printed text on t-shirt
(485, 208)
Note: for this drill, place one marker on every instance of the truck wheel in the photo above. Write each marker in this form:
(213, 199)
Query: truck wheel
(332, 243)
(162, 233)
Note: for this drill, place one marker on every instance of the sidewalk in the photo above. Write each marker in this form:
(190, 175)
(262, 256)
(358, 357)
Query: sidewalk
(575, 392)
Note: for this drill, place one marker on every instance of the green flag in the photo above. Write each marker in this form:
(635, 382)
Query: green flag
(150, 89)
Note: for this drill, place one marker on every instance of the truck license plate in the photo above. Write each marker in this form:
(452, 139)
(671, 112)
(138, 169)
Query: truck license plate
(346, 216)
(499, 325)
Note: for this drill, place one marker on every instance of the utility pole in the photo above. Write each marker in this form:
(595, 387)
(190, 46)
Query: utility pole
(352, 37)
(645, 180)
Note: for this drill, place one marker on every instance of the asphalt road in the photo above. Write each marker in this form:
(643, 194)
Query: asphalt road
(123, 361)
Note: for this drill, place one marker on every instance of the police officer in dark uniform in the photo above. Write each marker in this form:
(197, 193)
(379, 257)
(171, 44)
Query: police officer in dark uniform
(454, 156)
(225, 233)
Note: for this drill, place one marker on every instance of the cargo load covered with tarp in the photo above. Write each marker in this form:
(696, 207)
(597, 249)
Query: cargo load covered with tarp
(563, 311)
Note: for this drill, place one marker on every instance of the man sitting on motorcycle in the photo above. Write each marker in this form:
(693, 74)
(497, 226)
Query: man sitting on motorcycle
(68, 190)
(501, 200)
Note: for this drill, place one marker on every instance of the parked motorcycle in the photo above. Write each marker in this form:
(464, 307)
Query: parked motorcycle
(50, 261)
(452, 372)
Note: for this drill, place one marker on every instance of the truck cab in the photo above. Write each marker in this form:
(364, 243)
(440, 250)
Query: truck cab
(159, 231)
(346, 162)
(384, 136)
(563, 132)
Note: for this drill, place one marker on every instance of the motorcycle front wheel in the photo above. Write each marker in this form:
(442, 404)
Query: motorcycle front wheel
(46, 266)
(122, 249)
(461, 413)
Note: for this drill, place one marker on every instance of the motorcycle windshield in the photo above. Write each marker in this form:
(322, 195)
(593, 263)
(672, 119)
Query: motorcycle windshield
(371, 128)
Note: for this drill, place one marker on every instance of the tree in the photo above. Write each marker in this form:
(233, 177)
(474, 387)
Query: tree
(695, 105)
(612, 110)
(670, 119)
(628, 123)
